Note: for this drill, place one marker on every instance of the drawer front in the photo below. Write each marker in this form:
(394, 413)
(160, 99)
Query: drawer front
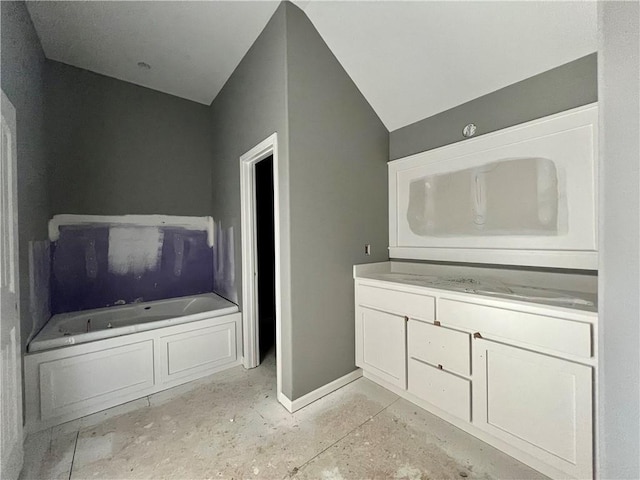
(400, 303)
(440, 346)
(552, 333)
(444, 390)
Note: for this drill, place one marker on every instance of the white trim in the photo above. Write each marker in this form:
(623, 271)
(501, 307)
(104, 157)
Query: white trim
(11, 429)
(250, 327)
(495, 139)
(285, 402)
(576, 249)
(192, 223)
(574, 259)
(318, 393)
(471, 429)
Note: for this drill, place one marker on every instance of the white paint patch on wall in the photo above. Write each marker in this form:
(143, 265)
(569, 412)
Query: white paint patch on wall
(514, 196)
(134, 249)
(39, 287)
(204, 224)
(224, 273)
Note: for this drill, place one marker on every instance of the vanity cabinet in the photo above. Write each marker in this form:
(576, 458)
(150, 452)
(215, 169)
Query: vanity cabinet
(517, 375)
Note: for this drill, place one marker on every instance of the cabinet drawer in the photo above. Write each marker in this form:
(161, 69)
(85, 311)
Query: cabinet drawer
(400, 303)
(444, 390)
(440, 346)
(541, 331)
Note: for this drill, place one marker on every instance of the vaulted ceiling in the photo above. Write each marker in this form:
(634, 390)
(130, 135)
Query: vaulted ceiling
(410, 59)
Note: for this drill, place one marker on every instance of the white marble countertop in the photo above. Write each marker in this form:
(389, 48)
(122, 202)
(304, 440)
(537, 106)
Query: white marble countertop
(492, 287)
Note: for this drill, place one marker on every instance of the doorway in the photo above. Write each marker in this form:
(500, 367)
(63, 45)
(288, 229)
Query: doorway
(261, 260)
(265, 249)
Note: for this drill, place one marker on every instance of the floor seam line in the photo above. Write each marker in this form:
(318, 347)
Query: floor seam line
(343, 437)
(73, 458)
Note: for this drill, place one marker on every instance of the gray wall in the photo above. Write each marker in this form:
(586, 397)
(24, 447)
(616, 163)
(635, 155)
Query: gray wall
(116, 148)
(619, 310)
(250, 107)
(22, 64)
(333, 192)
(338, 175)
(568, 86)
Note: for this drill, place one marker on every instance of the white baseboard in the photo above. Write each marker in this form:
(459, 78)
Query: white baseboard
(286, 403)
(298, 403)
(472, 429)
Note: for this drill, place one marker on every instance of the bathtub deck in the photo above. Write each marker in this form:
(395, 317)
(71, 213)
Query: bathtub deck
(229, 425)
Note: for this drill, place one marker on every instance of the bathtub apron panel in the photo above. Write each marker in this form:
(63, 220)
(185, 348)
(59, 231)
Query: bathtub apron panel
(74, 380)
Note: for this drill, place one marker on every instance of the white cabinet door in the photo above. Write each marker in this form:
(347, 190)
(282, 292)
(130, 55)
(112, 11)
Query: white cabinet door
(539, 404)
(381, 345)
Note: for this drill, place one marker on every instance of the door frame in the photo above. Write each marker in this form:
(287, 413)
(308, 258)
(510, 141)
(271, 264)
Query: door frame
(13, 459)
(250, 326)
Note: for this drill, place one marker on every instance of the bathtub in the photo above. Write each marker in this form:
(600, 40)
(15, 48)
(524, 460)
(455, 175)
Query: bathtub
(84, 362)
(89, 325)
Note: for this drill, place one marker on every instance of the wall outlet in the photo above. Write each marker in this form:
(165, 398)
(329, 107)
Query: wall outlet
(367, 249)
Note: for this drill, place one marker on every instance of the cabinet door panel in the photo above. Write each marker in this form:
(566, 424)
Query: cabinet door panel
(193, 354)
(384, 346)
(109, 377)
(537, 403)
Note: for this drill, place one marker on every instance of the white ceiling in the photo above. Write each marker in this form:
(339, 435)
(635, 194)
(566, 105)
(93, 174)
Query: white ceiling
(192, 47)
(410, 59)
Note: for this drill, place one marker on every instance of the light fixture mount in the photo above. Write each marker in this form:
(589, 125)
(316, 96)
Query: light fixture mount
(469, 130)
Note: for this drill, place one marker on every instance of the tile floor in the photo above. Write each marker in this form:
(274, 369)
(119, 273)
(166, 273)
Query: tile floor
(231, 426)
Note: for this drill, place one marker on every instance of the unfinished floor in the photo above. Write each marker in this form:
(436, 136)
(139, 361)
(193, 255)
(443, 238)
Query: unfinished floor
(230, 425)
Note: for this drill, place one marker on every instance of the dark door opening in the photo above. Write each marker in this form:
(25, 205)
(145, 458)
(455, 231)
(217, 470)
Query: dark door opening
(266, 257)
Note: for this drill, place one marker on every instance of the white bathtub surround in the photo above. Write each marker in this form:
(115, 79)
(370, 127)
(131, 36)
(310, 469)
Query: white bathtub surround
(87, 361)
(203, 224)
(90, 325)
(231, 425)
(134, 249)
